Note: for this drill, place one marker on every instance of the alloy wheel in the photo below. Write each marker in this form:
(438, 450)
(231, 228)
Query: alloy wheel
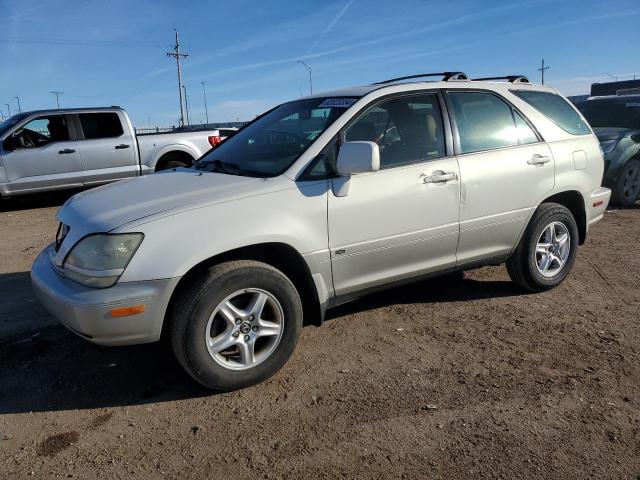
(552, 249)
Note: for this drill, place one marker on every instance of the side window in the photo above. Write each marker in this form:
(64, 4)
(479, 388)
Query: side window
(100, 125)
(39, 132)
(324, 165)
(484, 121)
(407, 129)
(556, 109)
(526, 135)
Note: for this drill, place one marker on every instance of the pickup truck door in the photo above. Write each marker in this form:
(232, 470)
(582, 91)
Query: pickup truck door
(108, 148)
(401, 221)
(42, 155)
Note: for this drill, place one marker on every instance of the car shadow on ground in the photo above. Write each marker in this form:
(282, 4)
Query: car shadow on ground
(47, 368)
(31, 202)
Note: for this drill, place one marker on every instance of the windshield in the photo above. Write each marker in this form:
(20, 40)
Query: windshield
(270, 144)
(9, 123)
(612, 113)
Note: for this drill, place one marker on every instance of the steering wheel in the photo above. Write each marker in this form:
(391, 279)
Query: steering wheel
(27, 141)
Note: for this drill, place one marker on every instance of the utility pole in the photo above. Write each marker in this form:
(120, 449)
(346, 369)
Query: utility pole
(19, 108)
(186, 105)
(204, 94)
(8, 109)
(308, 68)
(542, 69)
(57, 94)
(177, 54)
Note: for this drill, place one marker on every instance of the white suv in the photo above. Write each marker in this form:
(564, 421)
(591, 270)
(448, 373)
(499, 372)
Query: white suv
(317, 202)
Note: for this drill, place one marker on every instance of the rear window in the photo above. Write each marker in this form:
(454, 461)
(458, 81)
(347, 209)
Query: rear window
(556, 109)
(100, 125)
(622, 113)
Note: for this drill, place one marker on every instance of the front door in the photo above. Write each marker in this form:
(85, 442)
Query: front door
(401, 221)
(43, 155)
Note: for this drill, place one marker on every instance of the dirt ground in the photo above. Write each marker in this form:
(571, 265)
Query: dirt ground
(470, 379)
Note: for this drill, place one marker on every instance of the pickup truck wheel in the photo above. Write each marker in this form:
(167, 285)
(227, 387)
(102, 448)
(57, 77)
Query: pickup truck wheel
(173, 164)
(547, 250)
(627, 188)
(236, 325)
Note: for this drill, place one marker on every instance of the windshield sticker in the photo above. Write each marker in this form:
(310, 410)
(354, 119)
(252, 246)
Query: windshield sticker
(632, 105)
(337, 103)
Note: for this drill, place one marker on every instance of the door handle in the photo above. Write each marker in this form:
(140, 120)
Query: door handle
(66, 151)
(538, 160)
(122, 146)
(439, 177)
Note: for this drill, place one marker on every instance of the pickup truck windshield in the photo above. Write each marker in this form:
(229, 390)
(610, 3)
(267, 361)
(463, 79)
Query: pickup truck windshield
(270, 144)
(622, 113)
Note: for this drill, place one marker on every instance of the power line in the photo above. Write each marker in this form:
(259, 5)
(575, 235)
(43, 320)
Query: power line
(177, 54)
(542, 69)
(57, 94)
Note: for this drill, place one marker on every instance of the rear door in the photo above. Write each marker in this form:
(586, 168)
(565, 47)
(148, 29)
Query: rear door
(505, 168)
(107, 150)
(43, 155)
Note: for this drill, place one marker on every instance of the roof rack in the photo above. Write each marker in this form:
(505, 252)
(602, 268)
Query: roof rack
(510, 78)
(446, 77)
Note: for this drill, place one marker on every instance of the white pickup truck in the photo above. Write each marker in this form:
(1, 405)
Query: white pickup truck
(68, 148)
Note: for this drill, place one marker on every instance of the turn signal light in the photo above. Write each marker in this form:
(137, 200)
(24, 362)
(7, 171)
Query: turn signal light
(598, 203)
(214, 140)
(126, 311)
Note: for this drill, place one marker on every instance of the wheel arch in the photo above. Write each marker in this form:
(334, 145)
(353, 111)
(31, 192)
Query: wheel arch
(173, 152)
(573, 200)
(282, 256)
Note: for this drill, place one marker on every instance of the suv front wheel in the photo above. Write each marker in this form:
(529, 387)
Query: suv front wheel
(547, 250)
(236, 324)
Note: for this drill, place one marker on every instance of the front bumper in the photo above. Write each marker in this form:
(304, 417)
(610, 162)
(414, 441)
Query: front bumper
(87, 311)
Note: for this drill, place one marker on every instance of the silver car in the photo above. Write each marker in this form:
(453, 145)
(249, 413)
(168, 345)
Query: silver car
(317, 202)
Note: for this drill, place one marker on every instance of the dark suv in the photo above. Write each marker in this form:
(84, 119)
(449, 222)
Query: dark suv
(616, 121)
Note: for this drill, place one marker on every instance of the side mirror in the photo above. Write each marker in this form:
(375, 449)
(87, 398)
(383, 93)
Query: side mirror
(13, 142)
(358, 157)
(355, 157)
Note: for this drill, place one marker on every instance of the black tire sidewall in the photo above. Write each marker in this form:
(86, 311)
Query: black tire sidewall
(202, 366)
(619, 193)
(557, 214)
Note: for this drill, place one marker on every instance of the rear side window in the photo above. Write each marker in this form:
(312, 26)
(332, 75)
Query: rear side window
(485, 122)
(100, 125)
(556, 109)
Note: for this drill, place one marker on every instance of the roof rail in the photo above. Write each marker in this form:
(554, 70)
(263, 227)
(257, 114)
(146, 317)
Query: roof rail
(447, 77)
(510, 78)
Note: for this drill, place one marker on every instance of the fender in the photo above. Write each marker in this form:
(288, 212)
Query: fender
(174, 147)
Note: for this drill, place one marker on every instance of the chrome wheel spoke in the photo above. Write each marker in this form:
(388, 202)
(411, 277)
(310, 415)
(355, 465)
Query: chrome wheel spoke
(546, 263)
(229, 312)
(222, 342)
(543, 248)
(257, 304)
(562, 239)
(268, 329)
(247, 353)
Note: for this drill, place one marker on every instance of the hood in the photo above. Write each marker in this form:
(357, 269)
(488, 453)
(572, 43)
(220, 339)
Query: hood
(110, 206)
(612, 133)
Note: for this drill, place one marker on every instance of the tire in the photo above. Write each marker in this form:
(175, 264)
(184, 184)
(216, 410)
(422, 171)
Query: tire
(526, 266)
(173, 164)
(202, 323)
(627, 188)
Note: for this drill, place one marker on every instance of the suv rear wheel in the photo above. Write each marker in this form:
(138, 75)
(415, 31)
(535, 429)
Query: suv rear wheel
(236, 325)
(547, 250)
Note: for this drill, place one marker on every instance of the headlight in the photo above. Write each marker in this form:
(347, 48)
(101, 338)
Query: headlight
(99, 260)
(608, 146)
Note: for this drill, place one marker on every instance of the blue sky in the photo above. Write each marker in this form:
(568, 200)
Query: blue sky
(113, 52)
